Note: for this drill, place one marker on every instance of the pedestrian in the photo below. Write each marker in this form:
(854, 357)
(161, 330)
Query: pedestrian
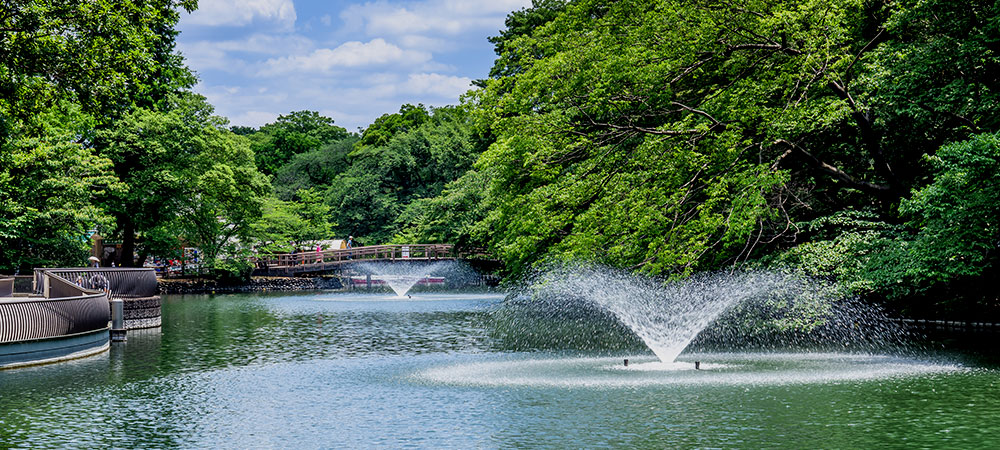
(350, 243)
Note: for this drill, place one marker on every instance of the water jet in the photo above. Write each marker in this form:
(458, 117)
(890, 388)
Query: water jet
(734, 310)
(400, 276)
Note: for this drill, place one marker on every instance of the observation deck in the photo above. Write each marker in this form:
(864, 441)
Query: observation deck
(67, 321)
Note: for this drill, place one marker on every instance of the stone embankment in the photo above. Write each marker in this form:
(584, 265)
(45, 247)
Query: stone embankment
(256, 284)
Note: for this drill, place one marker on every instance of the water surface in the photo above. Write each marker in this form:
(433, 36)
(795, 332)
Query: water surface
(312, 370)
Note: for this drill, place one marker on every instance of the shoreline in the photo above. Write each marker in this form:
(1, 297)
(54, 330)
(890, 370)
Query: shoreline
(256, 284)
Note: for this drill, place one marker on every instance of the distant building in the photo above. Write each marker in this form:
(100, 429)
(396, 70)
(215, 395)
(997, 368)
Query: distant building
(328, 244)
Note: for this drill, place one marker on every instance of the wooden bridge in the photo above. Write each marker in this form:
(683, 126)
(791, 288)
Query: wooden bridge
(300, 263)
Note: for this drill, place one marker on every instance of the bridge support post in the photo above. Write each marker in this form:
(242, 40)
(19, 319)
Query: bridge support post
(118, 320)
(368, 281)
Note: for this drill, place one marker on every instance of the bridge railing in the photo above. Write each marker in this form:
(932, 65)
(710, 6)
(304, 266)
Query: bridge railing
(68, 309)
(122, 282)
(390, 252)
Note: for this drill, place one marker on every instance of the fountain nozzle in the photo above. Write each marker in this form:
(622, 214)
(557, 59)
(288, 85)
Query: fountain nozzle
(697, 365)
(626, 362)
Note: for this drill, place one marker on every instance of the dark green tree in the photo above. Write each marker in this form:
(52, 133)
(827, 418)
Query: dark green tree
(381, 131)
(415, 162)
(297, 132)
(66, 68)
(313, 169)
(108, 57)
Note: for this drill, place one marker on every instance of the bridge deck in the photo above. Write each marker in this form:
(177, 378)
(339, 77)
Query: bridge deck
(334, 260)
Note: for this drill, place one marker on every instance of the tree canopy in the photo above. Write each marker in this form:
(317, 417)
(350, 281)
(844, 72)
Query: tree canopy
(672, 137)
(298, 132)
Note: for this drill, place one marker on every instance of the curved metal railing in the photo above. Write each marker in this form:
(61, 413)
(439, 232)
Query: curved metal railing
(121, 282)
(69, 309)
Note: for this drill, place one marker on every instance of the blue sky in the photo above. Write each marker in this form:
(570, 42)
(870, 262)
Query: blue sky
(352, 61)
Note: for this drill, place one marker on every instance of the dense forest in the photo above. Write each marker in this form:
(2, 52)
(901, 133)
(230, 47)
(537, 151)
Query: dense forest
(851, 140)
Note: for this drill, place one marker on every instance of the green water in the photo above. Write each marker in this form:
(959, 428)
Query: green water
(310, 370)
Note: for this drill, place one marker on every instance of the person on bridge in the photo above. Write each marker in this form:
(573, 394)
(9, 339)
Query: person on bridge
(350, 243)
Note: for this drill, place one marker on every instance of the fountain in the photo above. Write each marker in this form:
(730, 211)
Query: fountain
(740, 328)
(401, 276)
(667, 317)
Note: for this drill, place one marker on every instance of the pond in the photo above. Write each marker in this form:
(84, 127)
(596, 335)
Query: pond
(325, 369)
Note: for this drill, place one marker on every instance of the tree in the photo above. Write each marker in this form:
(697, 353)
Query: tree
(184, 170)
(313, 169)
(448, 218)
(521, 23)
(223, 199)
(49, 191)
(677, 136)
(642, 134)
(956, 216)
(286, 225)
(381, 131)
(67, 68)
(297, 132)
(108, 57)
(415, 162)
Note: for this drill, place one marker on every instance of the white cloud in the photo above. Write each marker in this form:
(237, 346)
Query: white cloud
(206, 56)
(443, 86)
(426, 43)
(448, 17)
(348, 55)
(354, 63)
(253, 118)
(225, 55)
(243, 12)
(267, 44)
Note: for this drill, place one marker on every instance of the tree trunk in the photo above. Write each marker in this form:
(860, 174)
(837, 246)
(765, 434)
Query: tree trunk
(127, 257)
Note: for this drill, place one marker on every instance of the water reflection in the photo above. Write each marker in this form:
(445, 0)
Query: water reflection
(330, 370)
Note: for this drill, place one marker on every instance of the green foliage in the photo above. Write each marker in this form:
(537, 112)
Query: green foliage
(449, 218)
(285, 225)
(640, 134)
(49, 187)
(854, 248)
(416, 162)
(68, 68)
(188, 178)
(298, 132)
(934, 80)
(957, 214)
(521, 23)
(380, 132)
(106, 56)
(313, 169)
(949, 241)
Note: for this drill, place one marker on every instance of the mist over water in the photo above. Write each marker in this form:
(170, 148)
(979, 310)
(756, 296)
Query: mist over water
(741, 311)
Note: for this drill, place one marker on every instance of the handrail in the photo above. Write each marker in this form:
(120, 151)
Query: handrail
(73, 309)
(122, 282)
(391, 252)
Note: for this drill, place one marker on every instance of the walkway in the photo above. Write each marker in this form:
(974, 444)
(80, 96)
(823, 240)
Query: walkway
(286, 264)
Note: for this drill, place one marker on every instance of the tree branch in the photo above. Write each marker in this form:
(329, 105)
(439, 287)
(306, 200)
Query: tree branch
(777, 47)
(875, 40)
(645, 130)
(822, 166)
(868, 137)
(715, 123)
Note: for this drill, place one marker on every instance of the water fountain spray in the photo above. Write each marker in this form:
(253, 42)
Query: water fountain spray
(668, 316)
(401, 276)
